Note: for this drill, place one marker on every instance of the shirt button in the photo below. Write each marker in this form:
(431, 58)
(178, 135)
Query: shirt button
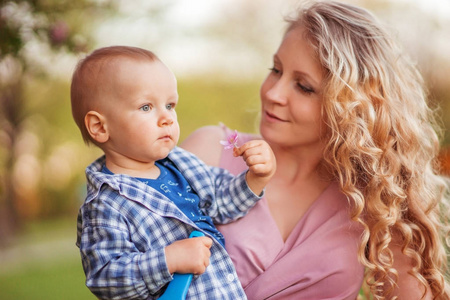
(230, 277)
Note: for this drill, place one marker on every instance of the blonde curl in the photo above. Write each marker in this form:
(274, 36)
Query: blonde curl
(382, 145)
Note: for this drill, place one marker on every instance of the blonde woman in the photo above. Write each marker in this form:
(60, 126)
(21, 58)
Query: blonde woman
(356, 194)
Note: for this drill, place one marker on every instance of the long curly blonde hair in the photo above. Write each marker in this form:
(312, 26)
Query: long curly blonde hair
(382, 145)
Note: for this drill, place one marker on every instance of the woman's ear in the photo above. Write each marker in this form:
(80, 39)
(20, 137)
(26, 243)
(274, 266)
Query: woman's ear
(96, 126)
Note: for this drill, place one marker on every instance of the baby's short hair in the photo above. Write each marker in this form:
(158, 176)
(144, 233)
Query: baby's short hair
(87, 79)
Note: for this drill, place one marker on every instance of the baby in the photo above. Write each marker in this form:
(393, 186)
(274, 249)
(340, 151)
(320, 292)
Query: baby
(145, 195)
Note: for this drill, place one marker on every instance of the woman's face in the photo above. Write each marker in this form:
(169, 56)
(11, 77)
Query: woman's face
(291, 96)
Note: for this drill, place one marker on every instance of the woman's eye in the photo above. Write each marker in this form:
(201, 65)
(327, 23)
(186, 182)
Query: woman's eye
(305, 89)
(274, 70)
(145, 107)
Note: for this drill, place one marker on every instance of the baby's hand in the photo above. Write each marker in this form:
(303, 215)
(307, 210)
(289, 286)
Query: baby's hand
(261, 163)
(189, 255)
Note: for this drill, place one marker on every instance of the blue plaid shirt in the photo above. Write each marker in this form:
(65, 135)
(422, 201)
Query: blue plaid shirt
(124, 226)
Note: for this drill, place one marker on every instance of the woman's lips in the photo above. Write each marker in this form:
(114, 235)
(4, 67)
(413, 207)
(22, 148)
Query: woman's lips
(273, 118)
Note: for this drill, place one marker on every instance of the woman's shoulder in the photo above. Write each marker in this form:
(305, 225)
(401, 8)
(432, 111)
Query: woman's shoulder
(205, 143)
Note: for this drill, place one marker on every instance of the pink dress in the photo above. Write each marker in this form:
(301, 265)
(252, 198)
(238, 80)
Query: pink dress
(318, 259)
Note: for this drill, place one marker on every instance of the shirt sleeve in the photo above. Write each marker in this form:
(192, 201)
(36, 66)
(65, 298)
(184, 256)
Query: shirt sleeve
(114, 267)
(223, 196)
(233, 197)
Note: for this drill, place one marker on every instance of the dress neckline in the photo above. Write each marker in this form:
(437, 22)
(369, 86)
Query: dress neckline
(293, 235)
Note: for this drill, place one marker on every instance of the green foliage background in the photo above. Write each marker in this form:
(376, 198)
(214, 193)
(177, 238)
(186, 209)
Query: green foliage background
(205, 102)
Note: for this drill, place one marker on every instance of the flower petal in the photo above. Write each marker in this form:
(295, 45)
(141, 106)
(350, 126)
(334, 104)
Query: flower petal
(231, 141)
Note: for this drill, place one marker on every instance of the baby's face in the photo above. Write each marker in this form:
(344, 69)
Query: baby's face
(140, 112)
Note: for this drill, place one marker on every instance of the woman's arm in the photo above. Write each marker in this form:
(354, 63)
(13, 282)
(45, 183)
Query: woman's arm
(205, 143)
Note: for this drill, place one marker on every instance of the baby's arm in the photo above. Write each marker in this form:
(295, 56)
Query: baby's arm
(119, 268)
(188, 255)
(260, 160)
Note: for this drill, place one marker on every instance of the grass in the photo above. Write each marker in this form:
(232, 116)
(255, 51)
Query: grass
(43, 263)
(63, 280)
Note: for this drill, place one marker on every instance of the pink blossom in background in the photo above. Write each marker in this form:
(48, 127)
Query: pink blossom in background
(59, 32)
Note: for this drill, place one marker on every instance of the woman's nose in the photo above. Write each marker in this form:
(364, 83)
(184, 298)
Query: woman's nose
(278, 92)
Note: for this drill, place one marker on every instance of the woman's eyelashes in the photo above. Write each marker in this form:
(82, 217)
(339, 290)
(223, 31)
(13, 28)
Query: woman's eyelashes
(305, 88)
(274, 70)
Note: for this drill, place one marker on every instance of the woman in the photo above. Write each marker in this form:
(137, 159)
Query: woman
(356, 186)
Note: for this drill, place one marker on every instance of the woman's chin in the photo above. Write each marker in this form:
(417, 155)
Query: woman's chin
(270, 134)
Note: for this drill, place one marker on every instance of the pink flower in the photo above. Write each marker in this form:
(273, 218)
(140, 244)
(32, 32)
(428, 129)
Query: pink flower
(231, 141)
(59, 32)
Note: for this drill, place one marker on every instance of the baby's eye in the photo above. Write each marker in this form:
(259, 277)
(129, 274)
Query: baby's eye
(145, 107)
(170, 106)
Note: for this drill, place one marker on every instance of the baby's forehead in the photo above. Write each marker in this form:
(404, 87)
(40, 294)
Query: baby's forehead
(107, 71)
(114, 62)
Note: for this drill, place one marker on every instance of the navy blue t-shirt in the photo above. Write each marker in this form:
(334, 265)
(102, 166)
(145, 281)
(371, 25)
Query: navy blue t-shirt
(174, 186)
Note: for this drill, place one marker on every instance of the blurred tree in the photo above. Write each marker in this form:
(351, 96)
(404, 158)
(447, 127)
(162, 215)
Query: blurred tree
(31, 30)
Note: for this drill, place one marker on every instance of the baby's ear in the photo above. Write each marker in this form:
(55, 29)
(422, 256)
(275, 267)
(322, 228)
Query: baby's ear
(96, 126)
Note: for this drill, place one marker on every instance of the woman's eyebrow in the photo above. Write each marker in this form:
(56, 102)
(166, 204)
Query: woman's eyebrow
(300, 74)
(276, 59)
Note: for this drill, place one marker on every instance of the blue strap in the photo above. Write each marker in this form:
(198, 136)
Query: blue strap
(178, 287)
